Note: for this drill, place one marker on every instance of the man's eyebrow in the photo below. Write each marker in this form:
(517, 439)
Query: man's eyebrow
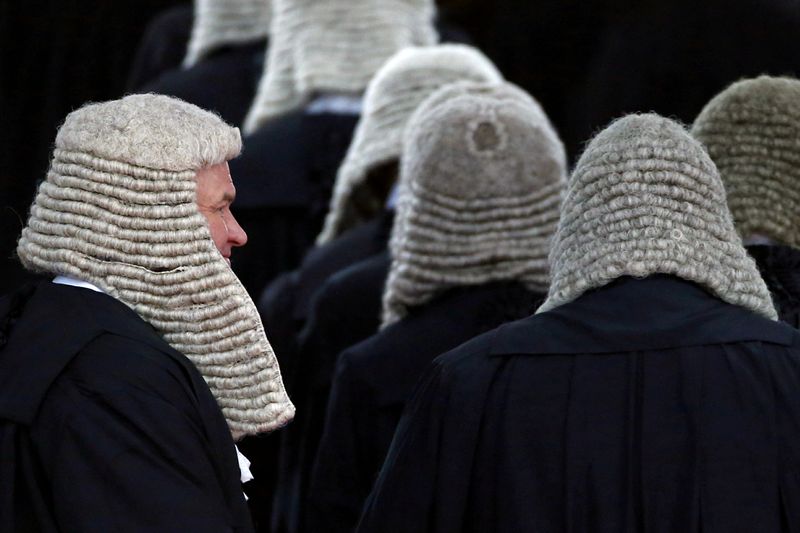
(229, 197)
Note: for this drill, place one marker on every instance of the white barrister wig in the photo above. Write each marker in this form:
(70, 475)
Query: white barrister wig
(219, 23)
(405, 81)
(752, 133)
(333, 46)
(645, 198)
(118, 209)
(481, 183)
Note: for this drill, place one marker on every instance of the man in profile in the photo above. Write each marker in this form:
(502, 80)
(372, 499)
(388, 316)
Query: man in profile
(125, 381)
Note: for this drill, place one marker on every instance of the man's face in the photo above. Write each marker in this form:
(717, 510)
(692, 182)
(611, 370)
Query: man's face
(215, 194)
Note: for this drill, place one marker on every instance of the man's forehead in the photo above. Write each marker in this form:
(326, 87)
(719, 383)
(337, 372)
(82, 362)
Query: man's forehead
(219, 171)
(215, 182)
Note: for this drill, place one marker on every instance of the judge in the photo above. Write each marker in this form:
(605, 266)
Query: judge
(481, 182)
(358, 224)
(125, 380)
(752, 133)
(654, 390)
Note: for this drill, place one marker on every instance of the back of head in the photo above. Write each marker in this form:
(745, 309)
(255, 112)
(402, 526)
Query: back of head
(752, 133)
(118, 209)
(481, 184)
(333, 46)
(402, 83)
(219, 23)
(645, 198)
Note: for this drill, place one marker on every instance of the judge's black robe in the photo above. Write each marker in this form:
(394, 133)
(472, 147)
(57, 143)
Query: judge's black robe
(780, 268)
(345, 310)
(162, 46)
(373, 381)
(224, 82)
(285, 303)
(284, 180)
(646, 405)
(103, 426)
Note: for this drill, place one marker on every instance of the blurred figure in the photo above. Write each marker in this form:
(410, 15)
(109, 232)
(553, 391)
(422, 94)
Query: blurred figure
(330, 48)
(219, 24)
(162, 47)
(481, 185)
(357, 227)
(224, 58)
(654, 390)
(125, 381)
(367, 175)
(395, 92)
(752, 133)
(321, 58)
(345, 310)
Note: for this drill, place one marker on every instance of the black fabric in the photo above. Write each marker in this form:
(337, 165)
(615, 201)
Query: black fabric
(373, 381)
(345, 310)
(285, 303)
(351, 247)
(11, 307)
(275, 307)
(646, 405)
(284, 180)
(104, 427)
(262, 452)
(162, 47)
(780, 268)
(225, 82)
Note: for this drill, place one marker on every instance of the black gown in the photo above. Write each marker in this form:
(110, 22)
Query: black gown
(284, 180)
(646, 405)
(373, 381)
(345, 311)
(162, 47)
(225, 82)
(285, 304)
(104, 426)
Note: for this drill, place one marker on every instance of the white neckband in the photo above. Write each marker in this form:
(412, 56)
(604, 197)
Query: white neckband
(66, 280)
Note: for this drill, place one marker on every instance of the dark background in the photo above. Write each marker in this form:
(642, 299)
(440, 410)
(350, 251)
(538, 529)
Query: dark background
(586, 61)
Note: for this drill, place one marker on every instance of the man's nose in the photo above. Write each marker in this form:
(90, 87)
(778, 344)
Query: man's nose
(236, 234)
